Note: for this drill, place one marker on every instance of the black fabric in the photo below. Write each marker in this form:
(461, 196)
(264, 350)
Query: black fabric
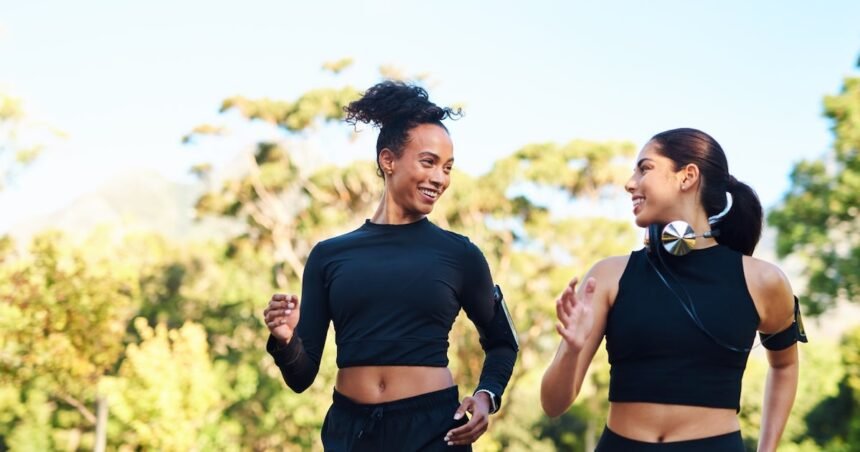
(393, 292)
(613, 442)
(658, 353)
(787, 337)
(415, 424)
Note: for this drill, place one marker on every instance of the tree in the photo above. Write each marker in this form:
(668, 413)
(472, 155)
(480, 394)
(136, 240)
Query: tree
(63, 315)
(286, 207)
(819, 218)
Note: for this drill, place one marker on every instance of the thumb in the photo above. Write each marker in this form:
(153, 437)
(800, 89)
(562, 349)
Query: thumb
(464, 406)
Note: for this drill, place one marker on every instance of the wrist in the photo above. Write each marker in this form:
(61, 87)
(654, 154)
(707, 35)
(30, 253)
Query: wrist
(570, 350)
(492, 400)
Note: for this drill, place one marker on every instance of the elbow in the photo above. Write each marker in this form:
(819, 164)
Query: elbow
(552, 406)
(553, 403)
(298, 387)
(299, 381)
(551, 411)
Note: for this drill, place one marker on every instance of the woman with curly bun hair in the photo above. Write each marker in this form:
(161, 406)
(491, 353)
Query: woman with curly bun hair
(680, 315)
(392, 289)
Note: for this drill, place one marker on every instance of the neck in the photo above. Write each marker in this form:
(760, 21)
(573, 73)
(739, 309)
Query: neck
(695, 216)
(389, 212)
(700, 224)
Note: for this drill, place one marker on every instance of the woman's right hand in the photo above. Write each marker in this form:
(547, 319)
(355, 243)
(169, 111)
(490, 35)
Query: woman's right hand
(575, 313)
(282, 316)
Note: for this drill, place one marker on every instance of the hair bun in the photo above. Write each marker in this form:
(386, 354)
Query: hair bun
(393, 102)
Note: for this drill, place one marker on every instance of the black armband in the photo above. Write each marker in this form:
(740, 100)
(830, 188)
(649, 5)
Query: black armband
(501, 327)
(787, 337)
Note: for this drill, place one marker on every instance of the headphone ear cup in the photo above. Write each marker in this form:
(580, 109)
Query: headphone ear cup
(654, 242)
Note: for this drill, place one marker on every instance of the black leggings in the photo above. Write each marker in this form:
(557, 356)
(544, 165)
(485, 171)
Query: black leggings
(729, 442)
(414, 424)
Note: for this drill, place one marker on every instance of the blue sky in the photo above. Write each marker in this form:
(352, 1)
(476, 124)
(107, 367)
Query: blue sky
(126, 80)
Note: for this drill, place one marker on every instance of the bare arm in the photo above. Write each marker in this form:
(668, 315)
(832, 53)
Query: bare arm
(774, 301)
(779, 395)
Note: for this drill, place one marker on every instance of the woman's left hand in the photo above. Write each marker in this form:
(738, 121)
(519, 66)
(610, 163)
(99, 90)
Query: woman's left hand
(479, 407)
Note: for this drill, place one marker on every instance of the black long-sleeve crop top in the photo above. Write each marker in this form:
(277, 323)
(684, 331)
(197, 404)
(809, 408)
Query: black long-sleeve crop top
(393, 292)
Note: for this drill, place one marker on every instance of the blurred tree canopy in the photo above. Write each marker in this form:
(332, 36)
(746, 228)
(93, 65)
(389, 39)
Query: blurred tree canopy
(164, 339)
(819, 218)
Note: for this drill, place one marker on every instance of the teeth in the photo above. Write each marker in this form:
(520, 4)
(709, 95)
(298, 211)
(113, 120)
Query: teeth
(429, 193)
(637, 202)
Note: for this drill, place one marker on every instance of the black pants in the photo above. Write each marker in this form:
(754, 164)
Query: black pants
(729, 442)
(414, 424)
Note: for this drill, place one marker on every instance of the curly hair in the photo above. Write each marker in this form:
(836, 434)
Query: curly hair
(396, 108)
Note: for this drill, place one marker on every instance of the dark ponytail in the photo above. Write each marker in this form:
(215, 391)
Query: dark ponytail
(396, 108)
(740, 228)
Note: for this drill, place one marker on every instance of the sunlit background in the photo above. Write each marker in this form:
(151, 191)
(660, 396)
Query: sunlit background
(165, 166)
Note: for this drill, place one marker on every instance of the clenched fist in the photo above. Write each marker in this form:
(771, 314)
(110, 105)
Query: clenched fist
(282, 316)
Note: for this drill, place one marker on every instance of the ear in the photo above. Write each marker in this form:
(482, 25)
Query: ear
(386, 160)
(689, 176)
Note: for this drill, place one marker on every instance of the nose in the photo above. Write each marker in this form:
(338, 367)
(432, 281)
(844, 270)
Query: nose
(438, 177)
(630, 186)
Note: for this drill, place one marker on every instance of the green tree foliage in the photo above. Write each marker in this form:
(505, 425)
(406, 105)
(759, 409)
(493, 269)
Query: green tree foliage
(819, 219)
(834, 422)
(190, 371)
(287, 207)
(64, 311)
(165, 394)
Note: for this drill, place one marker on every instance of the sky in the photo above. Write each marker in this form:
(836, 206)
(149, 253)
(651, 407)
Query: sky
(125, 81)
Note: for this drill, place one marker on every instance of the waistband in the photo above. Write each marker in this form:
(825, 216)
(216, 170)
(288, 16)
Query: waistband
(727, 442)
(422, 401)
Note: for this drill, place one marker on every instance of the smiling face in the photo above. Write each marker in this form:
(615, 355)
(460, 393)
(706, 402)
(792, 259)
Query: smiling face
(655, 187)
(418, 178)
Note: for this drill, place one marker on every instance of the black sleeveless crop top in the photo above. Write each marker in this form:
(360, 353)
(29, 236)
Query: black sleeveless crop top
(657, 352)
(392, 293)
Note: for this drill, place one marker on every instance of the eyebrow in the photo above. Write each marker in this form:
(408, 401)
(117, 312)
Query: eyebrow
(434, 155)
(643, 160)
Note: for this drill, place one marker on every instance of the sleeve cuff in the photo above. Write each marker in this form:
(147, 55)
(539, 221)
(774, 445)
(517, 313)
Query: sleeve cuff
(284, 354)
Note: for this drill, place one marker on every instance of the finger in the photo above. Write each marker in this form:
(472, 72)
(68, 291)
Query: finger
(561, 330)
(276, 305)
(465, 405)
(274, 324)
(560, 312)
(573, 282)
(471, 438)
(279, 297)
(468, 433)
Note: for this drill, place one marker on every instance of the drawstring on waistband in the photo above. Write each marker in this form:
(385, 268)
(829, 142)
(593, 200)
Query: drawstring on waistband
(370, 424)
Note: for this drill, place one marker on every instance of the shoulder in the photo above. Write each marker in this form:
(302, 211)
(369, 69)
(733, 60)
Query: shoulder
(458, 242)
(332, 244)
(607, 274)
(610, 267)
(771, 292)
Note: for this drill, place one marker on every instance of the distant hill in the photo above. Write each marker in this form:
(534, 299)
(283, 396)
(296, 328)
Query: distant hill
(139, 199)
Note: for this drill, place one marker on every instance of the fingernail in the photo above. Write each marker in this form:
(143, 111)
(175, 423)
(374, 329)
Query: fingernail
(450, 443)
(457, 416)
(447, 438)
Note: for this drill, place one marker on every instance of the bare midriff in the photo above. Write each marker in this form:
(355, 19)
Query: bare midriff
(663, 423)
(378, 384)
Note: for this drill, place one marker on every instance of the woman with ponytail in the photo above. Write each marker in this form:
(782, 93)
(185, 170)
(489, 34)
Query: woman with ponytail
(392, 289)
(680, 315)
